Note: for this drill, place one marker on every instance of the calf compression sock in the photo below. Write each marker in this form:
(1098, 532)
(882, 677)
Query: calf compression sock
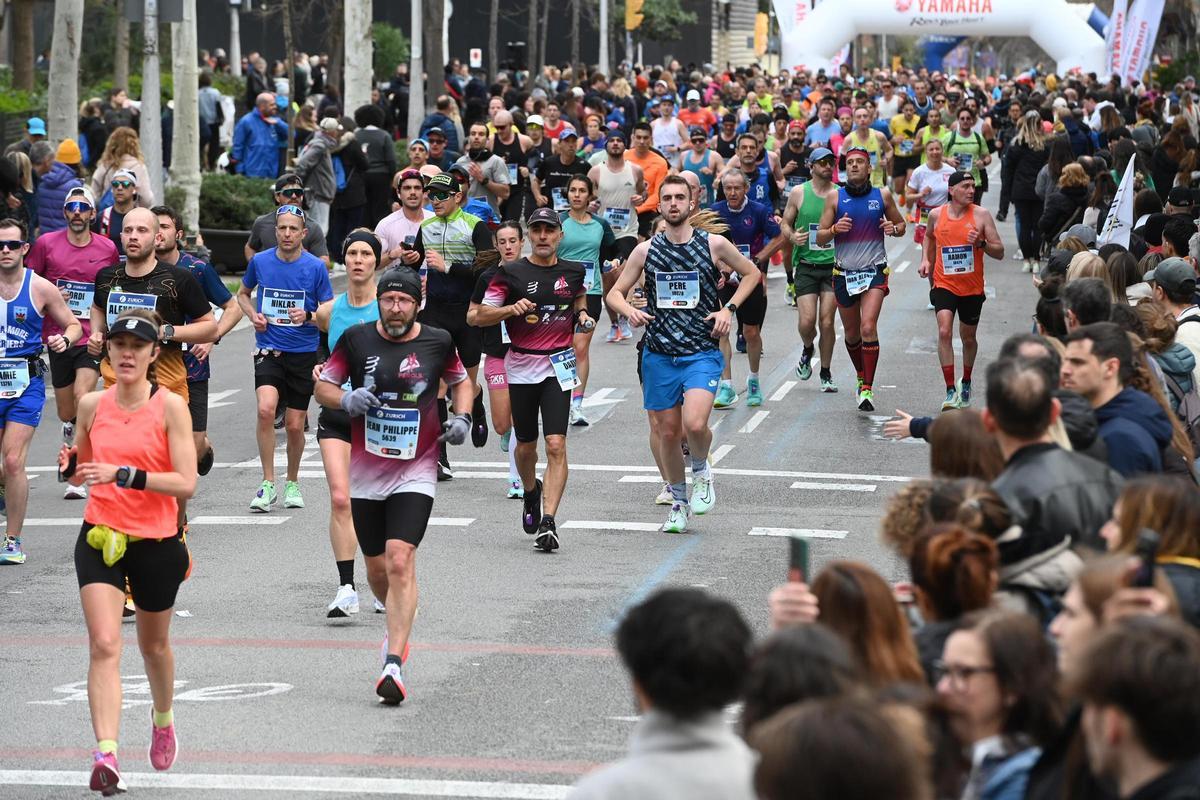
(948, 375)
(855, 349)
(346, 573)
(870, 357)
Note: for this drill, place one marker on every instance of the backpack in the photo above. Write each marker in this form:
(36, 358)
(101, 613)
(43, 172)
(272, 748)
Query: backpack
(339, 173)
(1188, 402)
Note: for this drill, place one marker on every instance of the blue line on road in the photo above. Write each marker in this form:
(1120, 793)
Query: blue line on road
(660, 573)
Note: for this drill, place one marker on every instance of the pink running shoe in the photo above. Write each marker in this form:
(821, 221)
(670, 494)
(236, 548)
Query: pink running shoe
(106, 775)
(163, 747)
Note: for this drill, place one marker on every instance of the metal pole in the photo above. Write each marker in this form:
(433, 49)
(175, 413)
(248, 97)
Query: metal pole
(235, 41)
(629, 48)
(151, 113)
(604, 33)
(416, 72)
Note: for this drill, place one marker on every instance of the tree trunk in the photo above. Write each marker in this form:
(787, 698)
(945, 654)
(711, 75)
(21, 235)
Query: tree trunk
(185, 149)
(575, 37)
(435, 59)
(62, 102)
(358, 55)
(416, 71)
(121, 53)
(288, 58)
(150, 130)
(493, 62)
(531, 39)
(22, 44)
(545, 32)
(337, 40)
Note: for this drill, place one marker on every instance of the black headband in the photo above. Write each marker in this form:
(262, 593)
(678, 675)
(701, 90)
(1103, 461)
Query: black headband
(371, 241)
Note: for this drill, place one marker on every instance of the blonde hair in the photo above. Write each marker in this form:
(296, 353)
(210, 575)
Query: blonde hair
(122, 142)
(1073, 175)
(621, 89)
(1029, 131)
(24, 169)
(1087, 265)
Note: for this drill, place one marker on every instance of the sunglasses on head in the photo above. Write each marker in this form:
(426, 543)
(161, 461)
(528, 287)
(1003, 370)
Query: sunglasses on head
(289, 209)
(292, 192)
(78, 207)
(123, 184)
(11, 244)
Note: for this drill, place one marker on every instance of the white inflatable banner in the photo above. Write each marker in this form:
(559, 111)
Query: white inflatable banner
(1114, 38)
(811, 36)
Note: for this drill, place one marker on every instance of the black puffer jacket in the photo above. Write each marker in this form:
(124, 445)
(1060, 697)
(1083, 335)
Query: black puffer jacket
(1054, 494)
(1063, 209)
(1082, 428)
(1021, 167)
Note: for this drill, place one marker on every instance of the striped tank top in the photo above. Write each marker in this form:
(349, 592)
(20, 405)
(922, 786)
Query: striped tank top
(681, 331)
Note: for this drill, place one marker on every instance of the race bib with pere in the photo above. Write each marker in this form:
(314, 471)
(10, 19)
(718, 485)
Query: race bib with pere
(14, 377)
(392, 432)
(79, 296)
(277, 302)
(119, 302)
(565, 370)
(958, 259)
(677, 289)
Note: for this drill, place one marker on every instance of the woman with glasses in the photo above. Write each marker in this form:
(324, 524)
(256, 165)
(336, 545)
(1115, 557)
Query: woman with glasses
(997, 675)
(123, 151)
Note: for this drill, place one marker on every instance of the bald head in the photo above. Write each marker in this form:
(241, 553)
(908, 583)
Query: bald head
(138, 232)
(693, 183)
(265, 102)
(502, 117)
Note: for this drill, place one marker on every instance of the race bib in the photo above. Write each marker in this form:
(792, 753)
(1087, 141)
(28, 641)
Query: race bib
(14, 377)
(859, 281)
(793, 181)
(958, 259)
(564, 368)
(559, 198)
(677, 289)
(812, 238)
(744, 249)
(504, 334)
(874, 160)
(392, 432)
(512, 174)
(906, 147)
(277, 302)
(589, 275)
(79, 296)
(618, 218)
(120, 302)
(965, 161)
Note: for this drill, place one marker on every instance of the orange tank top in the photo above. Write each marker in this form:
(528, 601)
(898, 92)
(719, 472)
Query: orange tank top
(957, 266)
(133, 439)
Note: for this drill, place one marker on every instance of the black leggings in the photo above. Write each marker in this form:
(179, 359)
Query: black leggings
(154, 568)
(1029, 213)
(548, 398)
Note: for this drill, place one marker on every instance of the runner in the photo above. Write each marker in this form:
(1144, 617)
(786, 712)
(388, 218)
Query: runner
(933, 130)
(135, 449)
(756, 235)
(543, 300)
(813, 264)
(588, 239)
(289, 190)
(761, 186)
(793, 163)
(292, 285)
(724, 142)
(509, 242)
(856, 219)
(669, 132)
(394, 368)
(704, 163)
(70, 259)
(967, 150)
(397, 232)
(681, 365)
(29, 300)
(903, 127)
(620, 188)
(448, 242)
(876, 144)
(357, 305)
(928, 188)
(654, 167)
(959, 233)
(554, 173)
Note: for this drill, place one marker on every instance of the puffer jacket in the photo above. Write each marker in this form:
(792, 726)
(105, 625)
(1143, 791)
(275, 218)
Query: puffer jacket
(51, 192)
(1036, 585)
(1136, 430)
(316, 170)
(1178, 362)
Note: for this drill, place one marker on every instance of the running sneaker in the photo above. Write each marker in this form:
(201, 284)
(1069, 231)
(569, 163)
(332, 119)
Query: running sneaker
(665, 498)
(106, 775)
(828, 386)
(345, 603)
(1027, 266)
(547, 535)
(791, 295)
(163, 745)
(504, 440)
(951, 400)
(12, 553)
(515, 492)
(390, 686)
(444, 471)
(754, 396)
(576, 418)
(532, 513)
(804, 367)
(291, 495)
(677, 519)
(726, 396)
(479, 426)
(704, 495)
(626, 329)
(68, 433)
(75, 492)
(866, 400)
(964, 394)
(264, 498)
(741, 343)
(614, 335)
(859, 384)
(380, 608)
(205, 464)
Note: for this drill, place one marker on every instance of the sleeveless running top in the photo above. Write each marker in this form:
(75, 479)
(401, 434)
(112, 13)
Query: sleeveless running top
(972, 147)
(343, 316)
(681, 331)
(760, 188)
(957, 266)
(726, 149)
(667, 136)
(808, 218)
(513, 156)
(614, 192)
(862, 246)
(707, 193)
(22, 321)
(134, 439)
(874, 149)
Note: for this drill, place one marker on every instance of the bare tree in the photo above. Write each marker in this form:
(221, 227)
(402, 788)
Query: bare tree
(185, 149)
(121, 52)
(575, 32)
(435, 59)
(358, 54)
(22, 44)
(62, 102)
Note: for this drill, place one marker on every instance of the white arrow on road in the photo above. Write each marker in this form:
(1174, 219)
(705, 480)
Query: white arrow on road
(214, 399)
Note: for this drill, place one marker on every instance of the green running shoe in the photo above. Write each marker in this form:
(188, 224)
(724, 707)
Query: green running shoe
(291, 495)
(754, 396)
(264, 498)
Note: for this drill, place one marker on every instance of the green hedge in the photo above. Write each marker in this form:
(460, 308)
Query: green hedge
(229, 202)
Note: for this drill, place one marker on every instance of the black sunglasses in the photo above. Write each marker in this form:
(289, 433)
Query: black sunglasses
(11, 244)
(292, 193)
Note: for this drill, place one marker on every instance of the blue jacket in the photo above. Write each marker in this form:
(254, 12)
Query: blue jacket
(51, 192)
(256, 145)
(443, 123)
(1007, 781)
(1136, 430)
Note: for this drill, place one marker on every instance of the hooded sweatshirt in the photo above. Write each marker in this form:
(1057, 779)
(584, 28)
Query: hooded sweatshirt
(1136, 430)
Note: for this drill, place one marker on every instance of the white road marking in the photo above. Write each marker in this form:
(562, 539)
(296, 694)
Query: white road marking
(214, 399)
(804, 533)
(604, 525)
(754, 422)
(404, 787)
(903, 266)
(782, 391)
(459, 473)
(599, 396)
(716, 424)
(720, 453)
(835, 487)
(643, 479)
(257, 519)
(452, 522)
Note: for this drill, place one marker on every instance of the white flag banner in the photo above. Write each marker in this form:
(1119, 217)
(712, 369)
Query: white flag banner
(1114, 37)
(1119, 223)
(839, 58)
(1141, 29)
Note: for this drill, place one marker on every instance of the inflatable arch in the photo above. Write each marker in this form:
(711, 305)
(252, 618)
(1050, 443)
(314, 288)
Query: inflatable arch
(810, 37)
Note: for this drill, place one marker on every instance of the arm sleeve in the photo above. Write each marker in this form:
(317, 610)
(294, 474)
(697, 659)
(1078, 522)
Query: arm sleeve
(255, 241)
(237, 151)
(419, 243)
(918, 427)
(496, 295)
(250, 278)
(36, 259)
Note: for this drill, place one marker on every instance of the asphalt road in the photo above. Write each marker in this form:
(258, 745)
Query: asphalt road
(515, 691)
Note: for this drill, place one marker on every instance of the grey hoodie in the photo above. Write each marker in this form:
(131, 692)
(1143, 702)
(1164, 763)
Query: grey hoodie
(316, 170)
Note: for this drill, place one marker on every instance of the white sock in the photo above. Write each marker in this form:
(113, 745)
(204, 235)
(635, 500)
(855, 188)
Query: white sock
(513, 475)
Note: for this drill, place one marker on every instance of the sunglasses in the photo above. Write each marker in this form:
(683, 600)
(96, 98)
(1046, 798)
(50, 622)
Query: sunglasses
(292, 193)
(123, 184)
(11, 244)
(77, 207)
(290, 209)
(440, 197)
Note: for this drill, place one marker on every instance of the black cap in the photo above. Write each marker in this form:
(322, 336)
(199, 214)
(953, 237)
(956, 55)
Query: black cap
(400, 279)
(958, 176)
(1180, 197)
(544, 216)
(143, 329)
(443, 181)
(288, 179)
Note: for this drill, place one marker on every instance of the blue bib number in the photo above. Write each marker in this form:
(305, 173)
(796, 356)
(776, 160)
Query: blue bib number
(958, 259)
(79, 296)
(119, 302)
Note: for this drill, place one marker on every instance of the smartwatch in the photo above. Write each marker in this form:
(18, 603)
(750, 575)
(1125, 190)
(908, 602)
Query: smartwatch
(124, 475)
(168, 332)
(732, 306)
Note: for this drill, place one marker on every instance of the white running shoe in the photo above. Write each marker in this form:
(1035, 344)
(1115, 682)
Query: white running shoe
(75, 492)
(344, 603)
(576, 418)
(677, 519)
(380, 608)
(664, 497)
(704, 495)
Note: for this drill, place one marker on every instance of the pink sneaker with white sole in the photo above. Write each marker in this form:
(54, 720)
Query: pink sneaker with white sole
(163, 747)
(106, 775)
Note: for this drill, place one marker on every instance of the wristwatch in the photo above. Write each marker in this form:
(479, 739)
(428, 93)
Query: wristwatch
(124, 474)
(732, 306)
(168, 332)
